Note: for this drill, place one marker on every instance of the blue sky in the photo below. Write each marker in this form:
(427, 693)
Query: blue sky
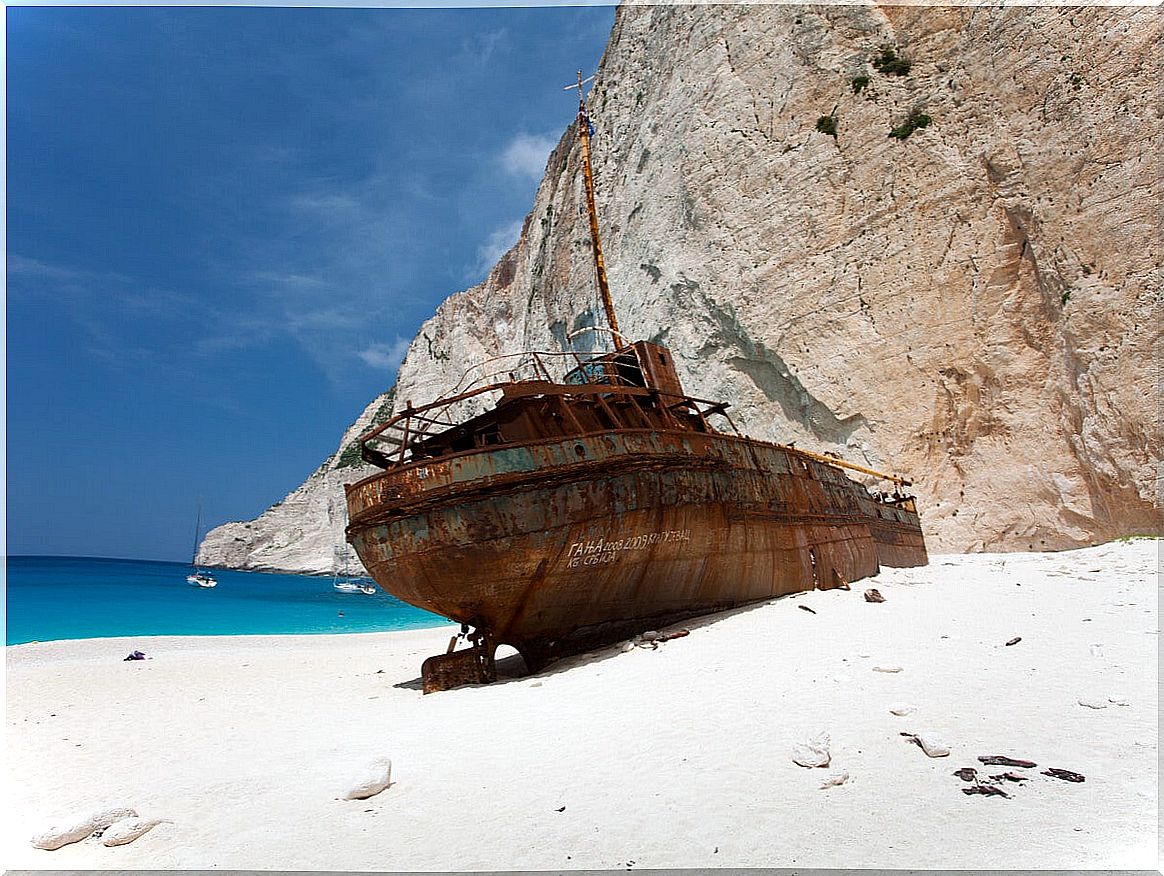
(225, 224)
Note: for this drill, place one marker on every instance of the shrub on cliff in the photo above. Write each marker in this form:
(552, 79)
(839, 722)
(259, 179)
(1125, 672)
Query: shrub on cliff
(916, 119)
(890, 64)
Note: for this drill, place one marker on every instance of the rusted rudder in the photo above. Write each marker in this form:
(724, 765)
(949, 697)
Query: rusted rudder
(444, 671)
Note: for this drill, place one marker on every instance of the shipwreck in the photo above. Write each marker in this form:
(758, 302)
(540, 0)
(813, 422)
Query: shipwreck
(558, 501)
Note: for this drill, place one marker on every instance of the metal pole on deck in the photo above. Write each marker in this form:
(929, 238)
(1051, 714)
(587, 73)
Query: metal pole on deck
(588, 175)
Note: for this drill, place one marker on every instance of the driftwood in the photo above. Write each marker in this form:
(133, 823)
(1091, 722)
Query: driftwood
(1065, 775)
(988, 790)
(1003, 760)
(1010, 777)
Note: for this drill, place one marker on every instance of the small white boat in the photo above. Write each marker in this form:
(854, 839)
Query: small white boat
(354, 587)
(198, 578)
(201, 579)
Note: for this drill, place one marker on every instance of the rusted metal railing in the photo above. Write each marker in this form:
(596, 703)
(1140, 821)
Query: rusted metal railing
(393, 443)
(553, 367)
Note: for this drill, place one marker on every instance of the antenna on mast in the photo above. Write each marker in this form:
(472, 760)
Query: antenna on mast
(584, 131)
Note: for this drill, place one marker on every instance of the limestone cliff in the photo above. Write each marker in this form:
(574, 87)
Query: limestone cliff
(925, 238)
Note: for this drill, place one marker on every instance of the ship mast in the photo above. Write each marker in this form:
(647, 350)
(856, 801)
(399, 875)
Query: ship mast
(599, 264)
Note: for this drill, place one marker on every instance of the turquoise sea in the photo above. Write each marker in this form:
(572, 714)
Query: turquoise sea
(81, 597)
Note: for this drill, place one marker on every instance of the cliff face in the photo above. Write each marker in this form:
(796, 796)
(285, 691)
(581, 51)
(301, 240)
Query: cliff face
(972, 300)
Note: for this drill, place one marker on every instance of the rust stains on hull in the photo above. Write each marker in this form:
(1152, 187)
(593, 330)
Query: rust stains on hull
(556, 546)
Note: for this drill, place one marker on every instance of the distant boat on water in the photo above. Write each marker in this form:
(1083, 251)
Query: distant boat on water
(354, 587)
(348, 585)
(199, 578)
(202, 579)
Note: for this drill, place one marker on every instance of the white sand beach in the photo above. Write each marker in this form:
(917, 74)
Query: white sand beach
(677, 756)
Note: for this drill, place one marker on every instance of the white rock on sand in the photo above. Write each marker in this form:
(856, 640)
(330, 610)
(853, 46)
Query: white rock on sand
(241, 741)
(76, 827)
(371, 780)
(128, 829)
(813, 752)
(835, 779)
(931, 744)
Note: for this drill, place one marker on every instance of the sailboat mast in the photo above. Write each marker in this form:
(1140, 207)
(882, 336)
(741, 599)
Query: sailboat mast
(588, 175)
(197, 530)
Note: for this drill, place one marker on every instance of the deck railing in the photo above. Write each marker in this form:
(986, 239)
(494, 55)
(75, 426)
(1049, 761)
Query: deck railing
(397, 441)
(539, 365)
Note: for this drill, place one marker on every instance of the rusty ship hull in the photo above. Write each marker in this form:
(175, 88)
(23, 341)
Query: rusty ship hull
(556, 546)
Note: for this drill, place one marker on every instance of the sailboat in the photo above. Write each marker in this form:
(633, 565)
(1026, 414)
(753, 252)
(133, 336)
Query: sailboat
(347, 585)
(559, 501)
(354, 587)
(199, 578)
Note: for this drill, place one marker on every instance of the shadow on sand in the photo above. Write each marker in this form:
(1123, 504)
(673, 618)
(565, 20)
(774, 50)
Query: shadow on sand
(512, 668)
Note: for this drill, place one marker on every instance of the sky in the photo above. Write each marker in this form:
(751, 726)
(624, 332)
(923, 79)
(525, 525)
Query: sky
(224, 225)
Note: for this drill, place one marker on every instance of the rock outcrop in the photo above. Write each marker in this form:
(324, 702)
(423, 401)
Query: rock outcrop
(924, 238)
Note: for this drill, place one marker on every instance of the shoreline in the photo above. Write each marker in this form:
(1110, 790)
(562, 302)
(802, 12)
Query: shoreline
(54, 599)
(446, 623)
(167, 637)
(677, 756)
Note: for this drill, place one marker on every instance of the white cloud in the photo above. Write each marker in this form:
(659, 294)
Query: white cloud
(482, 46)
(497, 245)
(19, 265)
(289, 279)
(109, 308)
(385, 356)
(323, 274)
(526, 155)
(327, 206)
